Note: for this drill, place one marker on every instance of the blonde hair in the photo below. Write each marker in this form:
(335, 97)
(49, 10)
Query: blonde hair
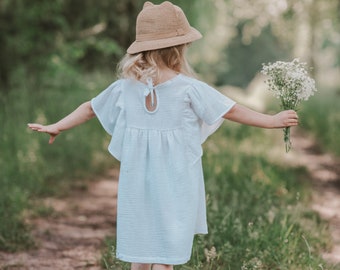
(147, 64)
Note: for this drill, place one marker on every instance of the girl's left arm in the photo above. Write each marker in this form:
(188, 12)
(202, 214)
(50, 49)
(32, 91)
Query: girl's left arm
(244, 115)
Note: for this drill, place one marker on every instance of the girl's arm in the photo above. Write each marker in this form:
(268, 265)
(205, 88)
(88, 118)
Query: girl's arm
(247, 116)
(82, 114)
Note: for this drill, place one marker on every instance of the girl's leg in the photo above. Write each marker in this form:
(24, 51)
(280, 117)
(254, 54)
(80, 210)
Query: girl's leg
(140, 266)
(162, 267)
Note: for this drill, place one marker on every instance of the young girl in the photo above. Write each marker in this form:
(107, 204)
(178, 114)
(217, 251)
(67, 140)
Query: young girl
(158, 116)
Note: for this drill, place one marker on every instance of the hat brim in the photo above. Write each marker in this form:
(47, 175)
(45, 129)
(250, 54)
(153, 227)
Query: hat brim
(141, 46)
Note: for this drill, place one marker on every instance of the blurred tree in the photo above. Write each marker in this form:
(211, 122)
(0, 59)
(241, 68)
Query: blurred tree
(92, 34)
(307, 29)
(27, 34)
(241, 61)
(86, 32)
(99, 30)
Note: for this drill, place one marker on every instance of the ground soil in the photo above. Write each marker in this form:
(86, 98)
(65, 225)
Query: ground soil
(324, 170)
(72, 235)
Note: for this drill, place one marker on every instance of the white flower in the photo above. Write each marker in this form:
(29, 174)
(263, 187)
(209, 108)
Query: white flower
(289, 82)
(210, 254)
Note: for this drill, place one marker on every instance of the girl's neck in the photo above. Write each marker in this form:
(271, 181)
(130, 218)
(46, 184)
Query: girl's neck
(164, 75)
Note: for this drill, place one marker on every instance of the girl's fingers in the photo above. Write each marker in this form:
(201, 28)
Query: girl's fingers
(294, 114)
(41, 128)
(52, 138)
(293, 121)
(34, 126)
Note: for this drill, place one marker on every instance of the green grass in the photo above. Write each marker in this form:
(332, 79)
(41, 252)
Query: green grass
(258, 210)
(29, 166)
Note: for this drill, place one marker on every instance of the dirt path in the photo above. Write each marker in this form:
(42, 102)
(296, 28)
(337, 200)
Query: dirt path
(325, 172)
(72, 236)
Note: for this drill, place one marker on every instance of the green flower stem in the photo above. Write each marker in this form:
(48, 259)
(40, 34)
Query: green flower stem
(288, 143)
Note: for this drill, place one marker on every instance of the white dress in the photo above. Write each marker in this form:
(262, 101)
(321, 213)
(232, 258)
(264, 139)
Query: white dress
(161, 197)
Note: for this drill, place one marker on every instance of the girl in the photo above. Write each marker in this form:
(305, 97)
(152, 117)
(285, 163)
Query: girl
(158, 116)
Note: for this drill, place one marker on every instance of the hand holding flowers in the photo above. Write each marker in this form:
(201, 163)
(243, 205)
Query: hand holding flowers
(289, 82)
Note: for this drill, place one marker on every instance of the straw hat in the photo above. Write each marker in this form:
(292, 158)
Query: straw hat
(161, 26)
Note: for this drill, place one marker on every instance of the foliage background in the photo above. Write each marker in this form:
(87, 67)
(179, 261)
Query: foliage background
(57, 54)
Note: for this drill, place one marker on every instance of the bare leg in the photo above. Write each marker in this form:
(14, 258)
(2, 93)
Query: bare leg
(140, 266)
(162, 267)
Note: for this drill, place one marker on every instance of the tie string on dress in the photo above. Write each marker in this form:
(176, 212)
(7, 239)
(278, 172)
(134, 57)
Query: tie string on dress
(150, 90)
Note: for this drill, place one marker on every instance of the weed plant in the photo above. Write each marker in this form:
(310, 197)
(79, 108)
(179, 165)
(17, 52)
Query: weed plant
(258, 210)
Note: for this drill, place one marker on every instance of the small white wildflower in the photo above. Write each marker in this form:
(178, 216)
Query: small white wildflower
(298, 196)
(210, 254)
(254, 263)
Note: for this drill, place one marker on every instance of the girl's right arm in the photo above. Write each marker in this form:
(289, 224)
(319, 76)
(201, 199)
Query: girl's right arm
(82, 114)
(244, 115)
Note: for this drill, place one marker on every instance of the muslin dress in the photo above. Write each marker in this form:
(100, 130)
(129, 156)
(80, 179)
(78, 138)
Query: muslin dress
(161, 196)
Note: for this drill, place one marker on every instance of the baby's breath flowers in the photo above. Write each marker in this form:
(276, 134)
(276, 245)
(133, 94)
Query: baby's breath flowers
(289, 82)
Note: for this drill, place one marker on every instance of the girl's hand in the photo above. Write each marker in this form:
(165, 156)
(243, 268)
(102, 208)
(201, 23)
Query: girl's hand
(284, 119)
(50, 129)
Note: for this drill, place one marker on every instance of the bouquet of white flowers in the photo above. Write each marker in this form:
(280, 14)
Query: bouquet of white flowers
(289, 81)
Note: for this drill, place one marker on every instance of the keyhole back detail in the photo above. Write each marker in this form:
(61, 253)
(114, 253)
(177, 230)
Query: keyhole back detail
(151, 99)
(151, 102)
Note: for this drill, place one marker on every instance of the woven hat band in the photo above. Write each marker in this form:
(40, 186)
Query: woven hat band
(151, 36)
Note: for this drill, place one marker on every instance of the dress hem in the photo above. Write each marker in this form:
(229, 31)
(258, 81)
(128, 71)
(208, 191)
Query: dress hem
(152, 260)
